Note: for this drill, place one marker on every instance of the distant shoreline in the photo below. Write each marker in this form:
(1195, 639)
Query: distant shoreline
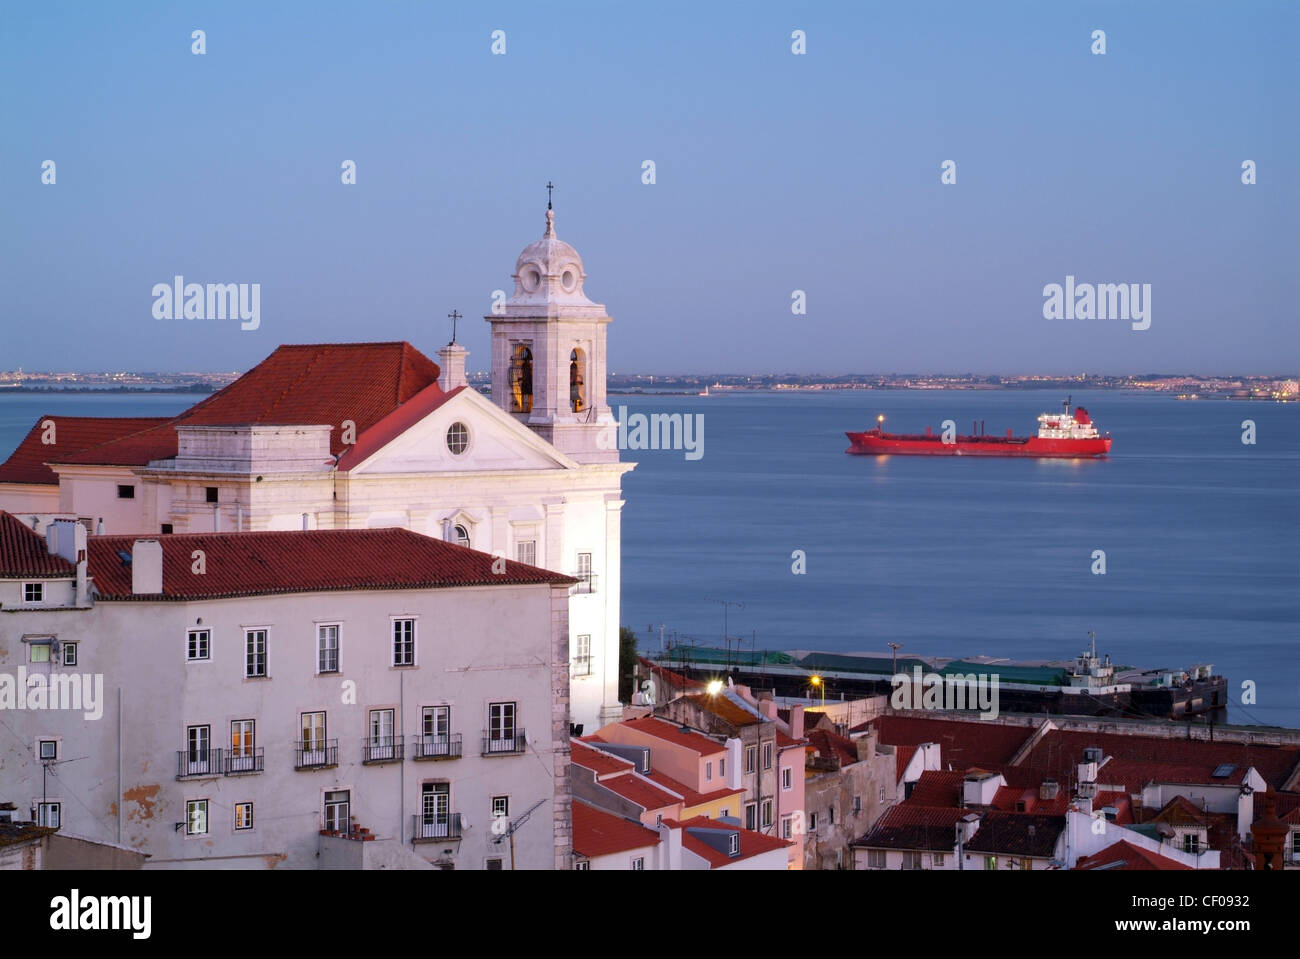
(203, 389)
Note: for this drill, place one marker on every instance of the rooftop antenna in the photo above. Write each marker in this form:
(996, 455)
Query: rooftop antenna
(453, 316)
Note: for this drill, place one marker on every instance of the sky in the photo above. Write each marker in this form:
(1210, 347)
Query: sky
(775, 172)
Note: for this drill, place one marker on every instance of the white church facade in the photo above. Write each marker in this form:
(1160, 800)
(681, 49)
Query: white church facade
(370, 435)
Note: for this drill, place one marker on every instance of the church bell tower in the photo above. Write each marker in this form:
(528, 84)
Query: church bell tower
(548, 352)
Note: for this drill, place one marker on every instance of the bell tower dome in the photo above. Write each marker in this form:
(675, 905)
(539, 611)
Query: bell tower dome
(548, 352)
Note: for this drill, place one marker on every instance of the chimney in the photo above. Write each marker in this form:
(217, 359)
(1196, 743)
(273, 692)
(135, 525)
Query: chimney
(83, 593)
(305, 524)
(66, 538)
(796, 722)
(451, 365)
(1048, 789)
(767, 707)
(146, 567)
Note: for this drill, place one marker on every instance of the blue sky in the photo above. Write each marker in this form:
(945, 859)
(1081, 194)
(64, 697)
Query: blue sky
(775, 172)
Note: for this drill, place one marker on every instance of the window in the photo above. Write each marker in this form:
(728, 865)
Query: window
(723, 813)
(638, 863)
(577, 361)
(460, 535)
(243, 758)
(911, 860)
(196, 817)
(882, 793)
(1295, 842)
(733, 844)
(435, 810)
(582, 655)
(126, 492)
(40, 652)
(991, 863)
(254, 653)
(526, 551)
(812, 821)
(69, 654)
(521, 367)
(493, 865)
(584, 572)
(457, 438)
(313, 739)
(243, 815)
(33, 592)
(787, 778)
(722, 768)
(382, 743)
(210, 494)
(857, 805)
(403, 642)
(937, 860)
(49, 814)
(787, 827)
(198, 645)
(501, 727)
(338, 815)
(708, 772)
(767, 755)
(49, 749)
(1191, 842)
(327, 649)
(500, 807)
(166, 528)
(751, 758)
(751, 815)
(767, 813)
(435, 728)
(582, 865)
(830, 815)
(875, 859)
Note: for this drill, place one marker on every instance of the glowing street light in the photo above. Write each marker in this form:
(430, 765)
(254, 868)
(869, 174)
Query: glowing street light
(817, 681)
(880, 423)
(714, 687)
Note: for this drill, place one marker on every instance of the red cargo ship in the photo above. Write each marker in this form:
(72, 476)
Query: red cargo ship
(1060, 435)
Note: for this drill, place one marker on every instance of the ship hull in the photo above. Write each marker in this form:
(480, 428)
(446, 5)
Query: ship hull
(874, 443)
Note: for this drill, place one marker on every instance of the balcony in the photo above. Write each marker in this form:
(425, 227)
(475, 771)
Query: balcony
(435, 827)
(382, 749)
(504, 743)
(586, 583)
(245, 761)
(316, 753)
(196, 763)
(438, 747)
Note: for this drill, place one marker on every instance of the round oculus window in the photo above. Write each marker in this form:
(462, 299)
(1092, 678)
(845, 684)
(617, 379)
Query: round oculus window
(531, 279)
(569, 279)
(457, 438)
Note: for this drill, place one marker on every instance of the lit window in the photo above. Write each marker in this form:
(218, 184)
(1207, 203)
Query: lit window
(243, 815)
(196, 817)
(403, 642)
(33, 592)
(457, 438)
(198, 645)
(40, 652)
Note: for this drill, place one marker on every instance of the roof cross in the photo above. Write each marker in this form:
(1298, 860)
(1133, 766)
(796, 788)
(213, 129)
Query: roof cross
(453, 316)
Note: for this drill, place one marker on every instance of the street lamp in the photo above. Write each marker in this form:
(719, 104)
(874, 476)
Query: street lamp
(895, 647)
(817, 681)
(880, 424)
(715, 687)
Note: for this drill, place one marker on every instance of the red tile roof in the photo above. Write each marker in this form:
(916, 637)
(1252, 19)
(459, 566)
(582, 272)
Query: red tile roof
(1126, 856)
(322, 383)
(751, 843)
(1133, 774)
(72, 434)
(937, 788)
(1017, 834)
(597, 760)
(689, 796)
(640, 790)
(395, 424)
(961, 744)
(260, 563)
(672, 733)
(1179, 811)
(598, 833)
(908, 826)
(902, 756)
(1058, 752)
(23, 553)
(785, 742)
(721, 705)
(831, 745)
(669, 677)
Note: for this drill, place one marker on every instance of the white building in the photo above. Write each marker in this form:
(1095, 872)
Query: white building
(227, 700)
(368, 435)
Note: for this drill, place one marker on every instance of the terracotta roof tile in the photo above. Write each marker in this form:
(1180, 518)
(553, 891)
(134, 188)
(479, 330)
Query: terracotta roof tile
(641, 790)
(72, 434)
(597, 760)
(751, 843)
(689, 796)
(322, 383)
(961, 744)
(1124, 855)
(831, 745)
(1179, 811)
(260, 563)
(724, 708)
(937, 788)
(598, 833)
(23, 553)
(395, 424)
(1017, 834)
(909, 826)
(671, 732)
